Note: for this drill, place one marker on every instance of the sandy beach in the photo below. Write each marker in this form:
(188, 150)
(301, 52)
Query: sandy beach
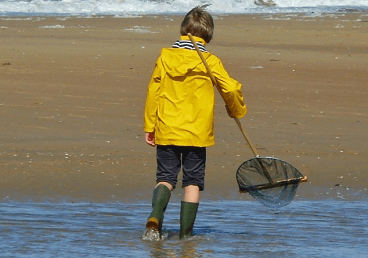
(73, 93)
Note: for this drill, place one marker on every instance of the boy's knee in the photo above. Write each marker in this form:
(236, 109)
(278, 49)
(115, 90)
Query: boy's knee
(167, 184)
(191, 193)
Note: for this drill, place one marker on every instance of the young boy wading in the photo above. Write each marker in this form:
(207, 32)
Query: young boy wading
(179, 114)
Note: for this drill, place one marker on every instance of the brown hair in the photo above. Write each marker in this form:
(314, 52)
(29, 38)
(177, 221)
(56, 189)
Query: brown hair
(199, 23)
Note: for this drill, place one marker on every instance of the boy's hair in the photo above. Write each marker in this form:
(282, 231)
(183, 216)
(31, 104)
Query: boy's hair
(199, 23)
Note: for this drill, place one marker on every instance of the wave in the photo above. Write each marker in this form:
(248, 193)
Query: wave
(158, 7)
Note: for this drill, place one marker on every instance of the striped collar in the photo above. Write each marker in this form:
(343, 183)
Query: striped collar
(184, 42)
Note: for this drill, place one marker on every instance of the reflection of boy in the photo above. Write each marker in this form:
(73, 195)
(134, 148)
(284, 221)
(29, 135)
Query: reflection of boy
(179, 116)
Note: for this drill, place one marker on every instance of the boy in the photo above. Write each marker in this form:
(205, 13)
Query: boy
(179, 114)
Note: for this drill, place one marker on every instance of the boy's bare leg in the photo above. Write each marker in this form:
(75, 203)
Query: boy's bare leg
(191, 193)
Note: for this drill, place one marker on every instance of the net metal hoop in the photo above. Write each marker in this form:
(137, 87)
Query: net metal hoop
(271, 181)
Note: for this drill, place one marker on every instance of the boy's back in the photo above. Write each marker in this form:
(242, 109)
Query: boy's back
(180, 99)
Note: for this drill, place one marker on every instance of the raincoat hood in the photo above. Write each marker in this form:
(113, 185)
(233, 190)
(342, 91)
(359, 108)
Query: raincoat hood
(180, 62)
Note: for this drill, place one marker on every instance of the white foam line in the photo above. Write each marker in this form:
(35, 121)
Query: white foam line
(52, 27)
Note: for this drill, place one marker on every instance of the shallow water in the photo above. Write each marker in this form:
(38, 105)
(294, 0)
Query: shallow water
(325, 228)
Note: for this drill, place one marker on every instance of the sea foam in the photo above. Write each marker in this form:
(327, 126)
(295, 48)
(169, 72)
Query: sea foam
(161, 7)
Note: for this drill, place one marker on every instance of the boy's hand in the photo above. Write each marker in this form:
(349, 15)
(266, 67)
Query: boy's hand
(150, 139)
(229, 112)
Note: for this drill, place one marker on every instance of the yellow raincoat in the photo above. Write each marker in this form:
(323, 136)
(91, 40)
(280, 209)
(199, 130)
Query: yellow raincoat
(180, 99)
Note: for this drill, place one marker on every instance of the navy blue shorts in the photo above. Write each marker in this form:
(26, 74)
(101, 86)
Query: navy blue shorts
(170, 160)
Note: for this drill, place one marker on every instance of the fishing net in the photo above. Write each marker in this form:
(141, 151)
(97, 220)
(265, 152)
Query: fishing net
(271, 181)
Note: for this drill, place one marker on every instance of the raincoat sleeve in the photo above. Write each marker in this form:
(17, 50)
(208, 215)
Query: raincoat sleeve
(151, 107)
(230, 89)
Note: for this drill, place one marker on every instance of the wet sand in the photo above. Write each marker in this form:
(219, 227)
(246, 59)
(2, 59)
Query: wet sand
(73, 93)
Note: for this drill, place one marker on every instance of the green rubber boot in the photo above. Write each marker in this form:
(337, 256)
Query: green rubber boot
(160, 199)
(188, 215)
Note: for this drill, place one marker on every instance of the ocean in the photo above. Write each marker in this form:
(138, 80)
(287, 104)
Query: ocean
(173, 7)
(325, 228)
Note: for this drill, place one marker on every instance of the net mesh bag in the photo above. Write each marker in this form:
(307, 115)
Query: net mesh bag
(272, 182)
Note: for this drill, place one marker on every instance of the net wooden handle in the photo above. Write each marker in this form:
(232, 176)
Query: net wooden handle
(204, 62)
(244, 133)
